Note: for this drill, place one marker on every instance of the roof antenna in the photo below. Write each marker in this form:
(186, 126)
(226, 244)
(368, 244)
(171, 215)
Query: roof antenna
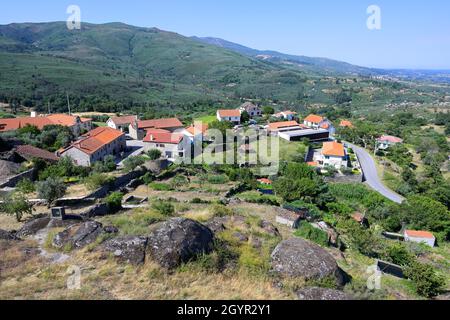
(68, 104)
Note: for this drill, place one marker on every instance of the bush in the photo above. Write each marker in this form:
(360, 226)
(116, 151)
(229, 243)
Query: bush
(178, 182)
(105, 166)
(114, 201)
(218, 179)
(427, 283)
(159, 186)
(98, 180)
(51, 189)
(26, 186)
(163, 207)
(147, 178)
(154, 154)
(132, 163)
(219, 210)
(307, 231)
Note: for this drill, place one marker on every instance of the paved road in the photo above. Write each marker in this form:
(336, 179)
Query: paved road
(372, 179)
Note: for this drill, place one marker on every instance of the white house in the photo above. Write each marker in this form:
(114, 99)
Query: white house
(252, 109)
(121, 123)
(424, 237)
(171, 145)
(95, 146)
(332, 154)
(385, 142)
(233, 116)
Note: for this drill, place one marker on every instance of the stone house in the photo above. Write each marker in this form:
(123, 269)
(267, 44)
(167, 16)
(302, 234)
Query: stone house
(138, 129)
(95, 146)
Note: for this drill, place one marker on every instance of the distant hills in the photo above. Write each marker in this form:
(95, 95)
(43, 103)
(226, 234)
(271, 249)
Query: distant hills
(319, 65)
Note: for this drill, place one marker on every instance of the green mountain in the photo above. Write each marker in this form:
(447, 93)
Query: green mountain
(116, 68)
(118, 62)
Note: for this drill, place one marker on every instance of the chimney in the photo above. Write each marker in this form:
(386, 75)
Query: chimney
(33, 114)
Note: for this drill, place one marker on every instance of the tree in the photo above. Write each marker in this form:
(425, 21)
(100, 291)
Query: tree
(107, 165)
(16, 204)
(51, 189)
(154, 154)
(98, 180)
(268, 110)
(178, 182)
(163, 207)
(245, 117)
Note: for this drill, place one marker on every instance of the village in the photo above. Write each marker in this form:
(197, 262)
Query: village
(132, 165)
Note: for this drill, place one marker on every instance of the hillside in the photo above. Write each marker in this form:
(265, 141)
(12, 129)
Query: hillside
(116, 67)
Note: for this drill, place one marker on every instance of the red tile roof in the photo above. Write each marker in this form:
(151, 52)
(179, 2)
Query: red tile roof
(96, 139)
(156, 136)
(160, 124)
(229, 113)
(39, 122)
(30, 152)
(346, 124)
(313, 164)
(265, 181)
(391, 139)
(333, 149)
(123, 120)
(198, 129)
(314, 119)
(419, 234)
(285, 124)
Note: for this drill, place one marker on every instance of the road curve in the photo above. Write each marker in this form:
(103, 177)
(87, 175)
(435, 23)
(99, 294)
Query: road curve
(371, 174)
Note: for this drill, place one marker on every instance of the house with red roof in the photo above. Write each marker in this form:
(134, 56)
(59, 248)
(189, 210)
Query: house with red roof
(77, 124)
(138, 129)
(385, 142)
(196, 132)
(233, 116)
(424, 237)
(95, 146)
(121, 123)
(332, 154)
(28, 153)
(318, 122)
(172, 145)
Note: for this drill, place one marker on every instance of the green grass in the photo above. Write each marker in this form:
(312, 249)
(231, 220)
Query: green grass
(206, 119)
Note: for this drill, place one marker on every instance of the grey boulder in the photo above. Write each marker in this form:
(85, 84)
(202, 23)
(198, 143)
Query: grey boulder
(126, 249)
(179, 240)
(296, 257)
(79, 236)
(317, 294)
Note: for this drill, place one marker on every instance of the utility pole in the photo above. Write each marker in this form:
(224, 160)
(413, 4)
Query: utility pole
(68, 104)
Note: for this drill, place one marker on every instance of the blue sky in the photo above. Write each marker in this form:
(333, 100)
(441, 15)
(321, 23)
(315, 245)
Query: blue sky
(414, 34)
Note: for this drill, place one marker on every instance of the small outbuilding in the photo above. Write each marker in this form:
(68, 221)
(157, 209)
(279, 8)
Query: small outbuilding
(424, 237)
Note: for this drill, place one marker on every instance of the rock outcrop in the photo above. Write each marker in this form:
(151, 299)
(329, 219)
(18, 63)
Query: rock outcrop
(33, 226)
(79, 235)
(179, 240)
(316, 294)
(7, 235)
(296, 257)
(126, 249)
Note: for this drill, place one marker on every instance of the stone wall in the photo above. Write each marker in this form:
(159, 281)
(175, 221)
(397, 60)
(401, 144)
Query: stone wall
(12, 182)
(355, 178)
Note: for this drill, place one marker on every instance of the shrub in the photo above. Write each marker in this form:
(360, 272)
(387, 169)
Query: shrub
(163, 207)
(51, 189)
(307, 231)
(219, 210)
(217, 179)
(178, 182)
(97, 180)
(426, 281)
(159, 186)
(132, 163)
(26, 186)
(107, 165)
(154, 154)
(147, 178)
(114, 201)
